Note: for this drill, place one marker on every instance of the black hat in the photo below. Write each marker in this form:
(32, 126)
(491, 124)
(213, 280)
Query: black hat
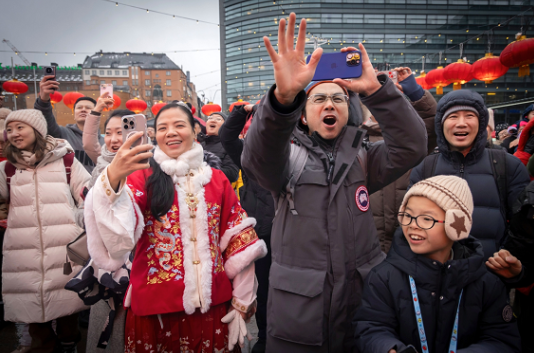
(84, 99)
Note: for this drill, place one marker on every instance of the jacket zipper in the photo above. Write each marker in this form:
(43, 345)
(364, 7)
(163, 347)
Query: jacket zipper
(331, 162)
(462, 170)
(196, 260)
(40, 239)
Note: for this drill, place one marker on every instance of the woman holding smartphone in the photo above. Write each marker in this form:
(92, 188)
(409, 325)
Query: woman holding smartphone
(193, 270)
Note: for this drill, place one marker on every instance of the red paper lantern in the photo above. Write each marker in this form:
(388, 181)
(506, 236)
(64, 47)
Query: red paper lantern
(55, 97)
(116, 104)
(15, 86)
(211, 108)
(421, 81)
(435, 79)
(69, 99)
(235, 104)
(136, 105)
(193, 110)
(157, 107)
(488, 68)
(458, 73)
(519, 54)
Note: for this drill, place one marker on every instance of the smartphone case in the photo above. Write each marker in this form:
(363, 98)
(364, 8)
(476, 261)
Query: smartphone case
(106, 87)
(132, 124)
(338, 65)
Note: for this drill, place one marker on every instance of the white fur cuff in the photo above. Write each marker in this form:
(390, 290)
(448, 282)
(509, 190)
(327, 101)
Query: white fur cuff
(239, 261)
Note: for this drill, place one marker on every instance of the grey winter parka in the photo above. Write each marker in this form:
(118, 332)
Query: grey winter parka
(321, 254)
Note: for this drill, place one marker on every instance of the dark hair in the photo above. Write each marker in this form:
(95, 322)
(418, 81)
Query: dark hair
(118, 113)
(39, 148)
(84, 99)
(159, 186)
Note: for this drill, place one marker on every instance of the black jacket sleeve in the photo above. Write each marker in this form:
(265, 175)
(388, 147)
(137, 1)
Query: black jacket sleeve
(229, 134)
(54, 129)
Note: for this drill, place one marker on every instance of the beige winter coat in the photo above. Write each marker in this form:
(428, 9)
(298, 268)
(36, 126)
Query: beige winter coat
(41, 222)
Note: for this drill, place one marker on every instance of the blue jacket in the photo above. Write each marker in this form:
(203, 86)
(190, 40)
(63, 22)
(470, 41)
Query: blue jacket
(386, 319)
(488, 223)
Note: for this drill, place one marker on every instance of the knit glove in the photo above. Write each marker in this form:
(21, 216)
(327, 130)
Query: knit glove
(237, 329)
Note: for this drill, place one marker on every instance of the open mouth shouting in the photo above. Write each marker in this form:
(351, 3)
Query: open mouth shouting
(330, 121)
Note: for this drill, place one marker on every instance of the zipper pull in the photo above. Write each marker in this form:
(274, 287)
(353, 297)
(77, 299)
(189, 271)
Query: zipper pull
(462, 170)
(331, 166)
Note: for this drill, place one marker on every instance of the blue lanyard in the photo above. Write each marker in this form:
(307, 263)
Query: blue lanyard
(421, 327)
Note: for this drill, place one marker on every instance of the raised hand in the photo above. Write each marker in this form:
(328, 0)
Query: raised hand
(128, 160)
(47, 87)
(367, 83)
(103, 102)
(504, 264)
(402, 73)
(291, 73)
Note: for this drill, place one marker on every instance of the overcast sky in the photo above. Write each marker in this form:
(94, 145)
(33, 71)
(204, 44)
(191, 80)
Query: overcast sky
(90, 25)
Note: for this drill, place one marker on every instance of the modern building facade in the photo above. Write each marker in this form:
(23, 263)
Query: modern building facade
(153, 77)
(394, 32)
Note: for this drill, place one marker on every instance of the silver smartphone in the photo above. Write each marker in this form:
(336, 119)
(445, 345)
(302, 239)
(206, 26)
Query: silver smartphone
(132, 124)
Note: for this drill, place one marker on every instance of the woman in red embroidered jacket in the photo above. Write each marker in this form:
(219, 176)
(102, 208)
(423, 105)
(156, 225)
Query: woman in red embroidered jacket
(195, 248)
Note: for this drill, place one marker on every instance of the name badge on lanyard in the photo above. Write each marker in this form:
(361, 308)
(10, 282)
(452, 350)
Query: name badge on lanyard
(421, 327)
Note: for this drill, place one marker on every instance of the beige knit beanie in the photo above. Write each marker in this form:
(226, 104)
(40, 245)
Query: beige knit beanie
(32, 117)
(452, 194)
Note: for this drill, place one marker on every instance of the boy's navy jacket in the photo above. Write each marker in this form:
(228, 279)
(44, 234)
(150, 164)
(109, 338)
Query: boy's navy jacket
(386, 319)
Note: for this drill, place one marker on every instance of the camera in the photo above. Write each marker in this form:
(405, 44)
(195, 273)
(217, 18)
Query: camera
(353, 59)
(49, 70)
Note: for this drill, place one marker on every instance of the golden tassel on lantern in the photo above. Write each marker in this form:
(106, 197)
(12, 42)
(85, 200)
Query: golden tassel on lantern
(439, 90)
(524, 71)
(456, 86)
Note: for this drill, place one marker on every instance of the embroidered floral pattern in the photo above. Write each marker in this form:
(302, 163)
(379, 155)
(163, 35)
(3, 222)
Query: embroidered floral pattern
(240, 241)
(214, 220)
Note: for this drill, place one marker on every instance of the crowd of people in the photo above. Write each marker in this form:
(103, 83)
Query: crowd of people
(348, 215)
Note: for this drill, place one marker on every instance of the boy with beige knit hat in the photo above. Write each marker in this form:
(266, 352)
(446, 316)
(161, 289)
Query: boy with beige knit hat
(433, 292)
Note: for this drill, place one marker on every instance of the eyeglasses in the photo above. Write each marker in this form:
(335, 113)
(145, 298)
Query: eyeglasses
(214, 118)
(321, 98)
(422, 221)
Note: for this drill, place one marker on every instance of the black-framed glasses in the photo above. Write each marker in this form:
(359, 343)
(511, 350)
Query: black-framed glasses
(422, 221)
(321, 98)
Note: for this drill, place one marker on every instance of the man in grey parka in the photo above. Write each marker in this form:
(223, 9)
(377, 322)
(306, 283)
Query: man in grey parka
(324, 241)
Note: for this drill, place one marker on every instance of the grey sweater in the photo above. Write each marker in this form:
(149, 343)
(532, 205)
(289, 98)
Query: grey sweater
(71, 133)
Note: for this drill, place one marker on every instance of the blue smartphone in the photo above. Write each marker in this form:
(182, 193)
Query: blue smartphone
(338, 65)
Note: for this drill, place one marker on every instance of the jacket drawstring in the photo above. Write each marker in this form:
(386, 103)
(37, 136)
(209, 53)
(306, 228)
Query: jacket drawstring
(160, 321)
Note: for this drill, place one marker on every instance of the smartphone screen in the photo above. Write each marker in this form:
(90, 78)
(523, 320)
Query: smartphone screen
(338, 65)
(106, 88)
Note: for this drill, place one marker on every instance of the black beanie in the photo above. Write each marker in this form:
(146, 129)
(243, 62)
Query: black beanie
(224, 116)
(84, 99)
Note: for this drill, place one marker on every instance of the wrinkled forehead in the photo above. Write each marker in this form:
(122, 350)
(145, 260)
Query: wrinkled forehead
(327, 88)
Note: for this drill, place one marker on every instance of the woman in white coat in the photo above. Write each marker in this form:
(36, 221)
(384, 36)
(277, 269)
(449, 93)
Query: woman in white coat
(42, 181)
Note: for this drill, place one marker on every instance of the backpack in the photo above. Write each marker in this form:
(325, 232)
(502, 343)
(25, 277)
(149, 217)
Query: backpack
(10, 170)
(498, 167)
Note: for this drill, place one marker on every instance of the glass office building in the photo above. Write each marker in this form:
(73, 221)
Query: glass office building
(394, 32)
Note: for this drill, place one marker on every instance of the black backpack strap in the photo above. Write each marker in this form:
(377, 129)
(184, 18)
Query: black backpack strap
(429, 165)
(498, 167)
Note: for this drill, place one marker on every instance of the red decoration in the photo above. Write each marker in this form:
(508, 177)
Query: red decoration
(15, 86)
(55, 97)
(116, 104)
(488, 68)
(235, 104)
(258, 102)
(421, 81)
(519, 54)
(211, 108)
(70, 99)
(435, 79)
(458, 74)
(157, 107)
(193, 110)
(202, 122)
(136, 105)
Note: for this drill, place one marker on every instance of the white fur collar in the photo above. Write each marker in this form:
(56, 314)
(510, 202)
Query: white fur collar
(176, 168)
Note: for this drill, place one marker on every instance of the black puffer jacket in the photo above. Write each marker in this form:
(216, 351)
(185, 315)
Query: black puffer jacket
(257, 201)
(488, 223)
(386, 320)
(213, 144)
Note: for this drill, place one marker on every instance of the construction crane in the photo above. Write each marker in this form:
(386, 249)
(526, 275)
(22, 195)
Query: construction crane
(17, 52)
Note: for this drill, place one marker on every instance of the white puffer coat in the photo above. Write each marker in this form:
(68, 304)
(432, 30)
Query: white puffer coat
(41, 222)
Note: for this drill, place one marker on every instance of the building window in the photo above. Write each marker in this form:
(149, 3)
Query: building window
(125, 72)
(102, 82)
(168, 73)
(93, 82)
(109, 72)
(135, 82)
(125, 83)
(169, 93)
(88, 82)
(147, 93)
(87, 72)
(114, 83)
(117, 72)
(168, 82)
(101, 72)
(147, 73)
(93, 72)
(147, 82)
(157, 75)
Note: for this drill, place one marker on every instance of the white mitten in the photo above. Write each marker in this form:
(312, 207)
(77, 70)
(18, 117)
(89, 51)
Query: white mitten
(237, 329)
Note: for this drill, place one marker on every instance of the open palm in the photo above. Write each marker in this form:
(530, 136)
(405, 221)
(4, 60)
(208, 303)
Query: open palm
(291, 73)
